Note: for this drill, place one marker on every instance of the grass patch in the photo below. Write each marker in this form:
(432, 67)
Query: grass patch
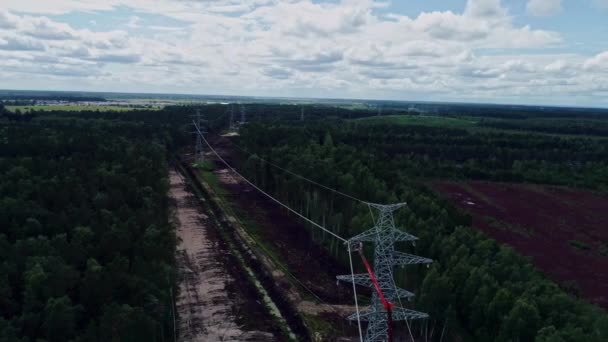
(248, 222)
(205, 165)
(211, 179)
(320, 329)
(498, 224)
(603, 249)
(251, 226)
(579, 245)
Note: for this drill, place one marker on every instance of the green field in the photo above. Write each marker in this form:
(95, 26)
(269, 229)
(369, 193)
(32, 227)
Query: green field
(420, 120)
(75, 108)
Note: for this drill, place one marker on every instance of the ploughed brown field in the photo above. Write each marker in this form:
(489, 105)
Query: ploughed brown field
(563, 230)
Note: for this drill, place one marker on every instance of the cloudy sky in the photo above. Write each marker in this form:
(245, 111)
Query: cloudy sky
(509, 51)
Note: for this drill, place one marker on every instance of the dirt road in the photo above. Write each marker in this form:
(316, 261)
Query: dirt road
(210, 305)
(309, 264)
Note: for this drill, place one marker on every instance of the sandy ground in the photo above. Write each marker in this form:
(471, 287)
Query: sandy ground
(226, 178)
(205, 311)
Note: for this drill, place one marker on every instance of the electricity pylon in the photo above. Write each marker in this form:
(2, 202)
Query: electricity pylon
(232, 128)
(199, 154)
(243, 115)
(384, 234)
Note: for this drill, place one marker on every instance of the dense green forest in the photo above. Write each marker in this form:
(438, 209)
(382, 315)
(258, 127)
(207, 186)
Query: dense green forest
(86, 247)
(439, 152)
(573, 126)
(478, 289)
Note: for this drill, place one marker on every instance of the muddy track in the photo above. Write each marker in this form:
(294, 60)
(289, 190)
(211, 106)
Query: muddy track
(213, 303)
(251, 269)
(307, 260)
(310, 267)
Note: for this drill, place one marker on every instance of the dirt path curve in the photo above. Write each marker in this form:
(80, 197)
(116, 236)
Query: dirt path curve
(204, 306)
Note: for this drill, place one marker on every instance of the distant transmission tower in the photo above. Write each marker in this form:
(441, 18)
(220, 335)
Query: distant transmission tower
(232, 129)
(384, 235)
(243, 115)
(199, 154)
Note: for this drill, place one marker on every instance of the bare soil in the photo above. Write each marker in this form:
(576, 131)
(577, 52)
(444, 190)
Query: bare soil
(309, 263)
(213, 303)
(563, 230)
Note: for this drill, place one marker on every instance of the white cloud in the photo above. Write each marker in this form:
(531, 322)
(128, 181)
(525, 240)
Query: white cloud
(7, 20)
(20, 43)
(598, 62)
(450, 26)
(278, 73)
(134, 22)
(486, 9)
(296, 47)
(44, 28)
(543, 8)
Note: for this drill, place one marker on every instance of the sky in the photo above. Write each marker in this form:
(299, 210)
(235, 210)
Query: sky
(549, 52)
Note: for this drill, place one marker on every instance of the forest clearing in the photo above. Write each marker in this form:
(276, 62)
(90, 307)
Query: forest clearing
(563, 230)
(209, 301)
(303, 171)
(211, 251)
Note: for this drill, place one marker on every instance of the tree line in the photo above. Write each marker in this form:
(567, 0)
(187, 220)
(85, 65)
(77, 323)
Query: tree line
(477, 290)
(86, 247)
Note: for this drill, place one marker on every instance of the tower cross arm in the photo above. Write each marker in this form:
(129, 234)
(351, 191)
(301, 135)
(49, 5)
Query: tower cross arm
(402, 293)
(401, 258)
(403, 314)
(401, 235)
(399, 314)
(368, 235)
(364, 315)
(360, 279)
(371, 235)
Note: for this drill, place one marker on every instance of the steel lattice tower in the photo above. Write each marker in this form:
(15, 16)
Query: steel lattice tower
(384, 234)
(231, 127)
(199, 154)
(243, 115)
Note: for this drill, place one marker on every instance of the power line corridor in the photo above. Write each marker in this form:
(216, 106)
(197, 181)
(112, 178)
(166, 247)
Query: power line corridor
(383, 235)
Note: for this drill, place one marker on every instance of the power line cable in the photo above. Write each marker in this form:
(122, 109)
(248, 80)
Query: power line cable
(263, 192)
(295, 174)
(352, 275)
(300, 215)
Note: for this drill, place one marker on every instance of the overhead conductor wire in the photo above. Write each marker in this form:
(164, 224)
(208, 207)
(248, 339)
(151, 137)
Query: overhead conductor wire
(295, 174)
(298, 214)
(352, 274)
(265, 193)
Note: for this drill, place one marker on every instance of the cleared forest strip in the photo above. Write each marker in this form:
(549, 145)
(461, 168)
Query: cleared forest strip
(205, 307)
(286, 251)
(265, 287)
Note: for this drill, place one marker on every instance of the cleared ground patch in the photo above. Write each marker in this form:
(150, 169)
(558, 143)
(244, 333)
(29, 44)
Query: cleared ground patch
(213, 303)
(563, 230)
(301, 265)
